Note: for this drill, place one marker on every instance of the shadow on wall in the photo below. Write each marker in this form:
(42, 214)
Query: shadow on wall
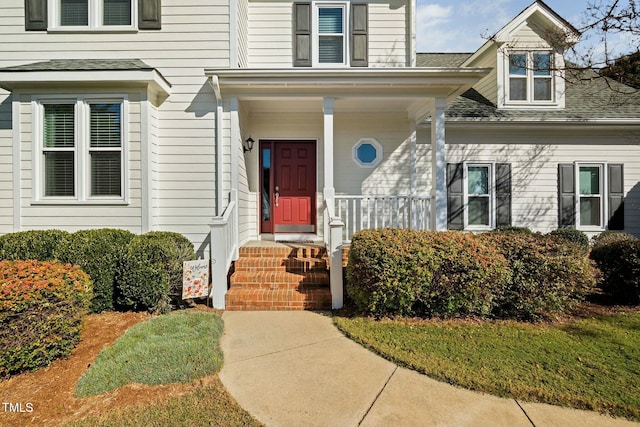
(632, 211)
(201, 251)
(204, 102)
(6, 113)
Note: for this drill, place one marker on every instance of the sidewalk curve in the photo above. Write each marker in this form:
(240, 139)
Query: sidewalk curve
(297, 369)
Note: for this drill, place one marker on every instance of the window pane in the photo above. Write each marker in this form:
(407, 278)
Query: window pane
(478, 211)
(106, 129)
(542, 89)
(330, 50)
(106, 173)
(518, 89)
(478, 180)
(117, 12)
(518, 64)
(59, 173)
(330, 20)
(266, 184)
(590, 211)
(74, 12)
(589, 180)
(541, 64)
(59, 126)
(366, 153)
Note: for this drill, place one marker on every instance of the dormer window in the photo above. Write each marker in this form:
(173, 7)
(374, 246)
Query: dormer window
(530, 77)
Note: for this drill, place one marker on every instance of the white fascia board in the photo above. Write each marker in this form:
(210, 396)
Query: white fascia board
(25, 79)
(408, 82)
(536, 123)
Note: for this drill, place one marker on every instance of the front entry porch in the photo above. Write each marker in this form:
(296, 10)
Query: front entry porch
(358, 131)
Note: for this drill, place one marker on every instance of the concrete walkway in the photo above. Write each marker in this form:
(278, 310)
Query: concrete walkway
(297, 369)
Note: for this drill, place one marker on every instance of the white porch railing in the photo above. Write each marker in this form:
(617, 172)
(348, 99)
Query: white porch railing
(224, 249)
(363, 212)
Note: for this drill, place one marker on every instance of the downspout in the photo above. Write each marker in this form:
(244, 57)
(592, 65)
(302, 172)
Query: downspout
(215, 84)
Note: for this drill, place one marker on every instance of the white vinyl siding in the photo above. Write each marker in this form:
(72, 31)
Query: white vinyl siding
(179, 133)
(270, 43)
(535, 166)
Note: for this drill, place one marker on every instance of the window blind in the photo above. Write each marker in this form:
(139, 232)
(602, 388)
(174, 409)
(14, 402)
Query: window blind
(117, 12)
(59, 173)
(74, 12)
(59, 126)
(330, 20)
(105, 149)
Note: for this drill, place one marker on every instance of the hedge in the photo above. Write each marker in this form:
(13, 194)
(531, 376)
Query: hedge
(151, 273)
(409, 273)
(42, 305)
(41, 245)
(548, 275)
(100, 253)
(618, 258)
(574, 236)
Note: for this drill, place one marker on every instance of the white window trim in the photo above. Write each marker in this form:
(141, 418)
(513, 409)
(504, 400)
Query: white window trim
(82, 148)
(95, 19)
(557, 81)
(376, 145)
(492, 195)
(316, 34)
(604, 196)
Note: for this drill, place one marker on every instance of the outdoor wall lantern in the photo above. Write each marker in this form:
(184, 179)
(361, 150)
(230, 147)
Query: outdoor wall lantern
(248, 144)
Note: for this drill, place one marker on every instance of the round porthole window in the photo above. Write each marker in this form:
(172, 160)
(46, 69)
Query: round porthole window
(367, 153)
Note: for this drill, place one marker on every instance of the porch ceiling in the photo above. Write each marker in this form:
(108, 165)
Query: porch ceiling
(364, 90)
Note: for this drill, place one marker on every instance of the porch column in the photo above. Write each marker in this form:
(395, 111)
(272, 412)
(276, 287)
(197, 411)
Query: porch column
(236, 152)
(438, 166)
(328, 191)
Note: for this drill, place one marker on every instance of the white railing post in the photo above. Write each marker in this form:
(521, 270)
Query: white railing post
(335, 253)
(224, 250)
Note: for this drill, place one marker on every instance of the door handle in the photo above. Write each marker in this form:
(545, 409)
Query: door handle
(277, 195)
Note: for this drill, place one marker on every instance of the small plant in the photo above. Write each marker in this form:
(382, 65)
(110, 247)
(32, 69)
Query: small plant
(151, 269)
(41, 245)
(42, 305)
(574, 236)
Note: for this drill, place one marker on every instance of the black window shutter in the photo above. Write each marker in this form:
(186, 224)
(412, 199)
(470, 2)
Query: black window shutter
(455, 196)
(359, 35)
(35, 15)
(616, 197)
(503, 194)
(302, 34)
(566, 196)
(149, 15)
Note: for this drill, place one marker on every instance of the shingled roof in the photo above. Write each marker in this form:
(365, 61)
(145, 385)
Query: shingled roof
(82, 65)
(588, 97)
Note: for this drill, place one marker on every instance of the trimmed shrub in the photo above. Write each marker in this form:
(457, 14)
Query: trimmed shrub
(99, 252)
(152, 271)
(408, 273)
(41, 245)
(42, 305)
(547, 274)
(512, 229)
(619, 261)
(610, 236)
(574, 236)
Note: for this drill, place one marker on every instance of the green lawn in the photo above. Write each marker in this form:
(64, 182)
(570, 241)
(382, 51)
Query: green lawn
(178, 347)
(590, 364)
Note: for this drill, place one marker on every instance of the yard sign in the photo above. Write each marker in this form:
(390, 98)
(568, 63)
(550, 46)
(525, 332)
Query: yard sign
(195, 279)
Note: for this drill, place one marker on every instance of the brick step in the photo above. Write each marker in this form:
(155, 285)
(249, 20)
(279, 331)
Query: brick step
(277, 279)
(306, 298)
(292, 265)
(293, 251)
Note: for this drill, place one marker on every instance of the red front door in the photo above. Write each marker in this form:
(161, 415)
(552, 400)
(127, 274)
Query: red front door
(291, 184)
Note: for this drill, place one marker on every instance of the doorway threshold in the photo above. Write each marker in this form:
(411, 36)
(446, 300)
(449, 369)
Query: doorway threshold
(292, 238)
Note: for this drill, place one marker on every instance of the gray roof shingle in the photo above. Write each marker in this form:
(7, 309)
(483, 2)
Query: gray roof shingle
(588, 97)
(81, 65)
